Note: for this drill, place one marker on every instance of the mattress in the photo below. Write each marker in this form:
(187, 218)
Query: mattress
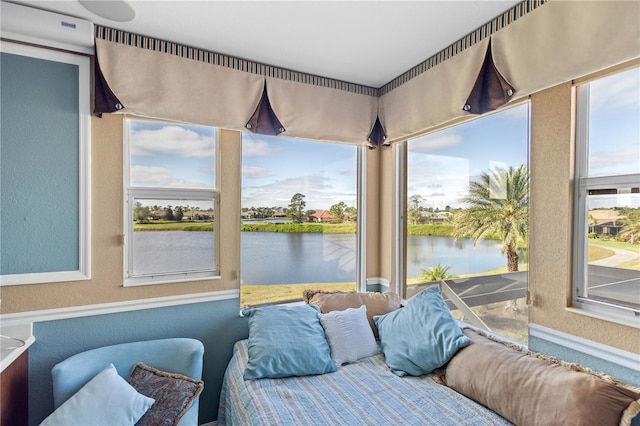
(362, 393)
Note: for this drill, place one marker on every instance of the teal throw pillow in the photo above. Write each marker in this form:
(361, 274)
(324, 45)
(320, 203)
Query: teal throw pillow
(286, 341)
(421, 336)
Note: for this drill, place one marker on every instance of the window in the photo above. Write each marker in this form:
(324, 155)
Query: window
(299, 218)
(171, 202)
(467, 218)
(607, 206)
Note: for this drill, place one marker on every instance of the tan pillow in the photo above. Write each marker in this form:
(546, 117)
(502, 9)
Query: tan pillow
(530, 389)
(376, 303)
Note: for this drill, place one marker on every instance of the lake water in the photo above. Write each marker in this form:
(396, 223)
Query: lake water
(289, 258)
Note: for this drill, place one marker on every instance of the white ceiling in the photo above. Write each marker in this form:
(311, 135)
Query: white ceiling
(365, 42)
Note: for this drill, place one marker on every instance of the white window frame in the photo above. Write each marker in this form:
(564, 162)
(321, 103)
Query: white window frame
(583, 184)
(165, 193)
(84, 167)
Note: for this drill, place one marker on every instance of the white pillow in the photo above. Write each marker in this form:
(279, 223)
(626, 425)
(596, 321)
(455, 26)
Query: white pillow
(349, 335)
(107, 399)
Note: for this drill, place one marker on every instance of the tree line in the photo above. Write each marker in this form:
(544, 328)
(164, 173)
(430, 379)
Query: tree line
(297, 212)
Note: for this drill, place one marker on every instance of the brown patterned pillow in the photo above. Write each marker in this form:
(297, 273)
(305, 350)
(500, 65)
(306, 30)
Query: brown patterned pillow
(174, 393)
(376, 303)
(528, 388)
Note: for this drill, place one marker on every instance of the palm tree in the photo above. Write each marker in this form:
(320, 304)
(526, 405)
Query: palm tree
(498, 204)
(435, 273)
(631, 226)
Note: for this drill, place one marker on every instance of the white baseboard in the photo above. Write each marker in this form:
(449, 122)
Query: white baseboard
(607, 353)
(378, 281)
(115, 307)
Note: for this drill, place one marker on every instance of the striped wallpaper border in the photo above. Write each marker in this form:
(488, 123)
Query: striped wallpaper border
(467, 41)
(201, 55)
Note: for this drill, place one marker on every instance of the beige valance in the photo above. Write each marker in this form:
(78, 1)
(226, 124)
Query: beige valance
(314, 112)
(527, 49)
(434, 97)
(559, 42)
(156, 84)
(566, 40)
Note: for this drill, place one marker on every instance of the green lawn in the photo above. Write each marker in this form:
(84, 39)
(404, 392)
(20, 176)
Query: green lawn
(261, 294)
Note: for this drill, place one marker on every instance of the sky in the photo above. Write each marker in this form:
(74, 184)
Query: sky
(276, 168)
(614, 134)
(614, 124)
(440, 164)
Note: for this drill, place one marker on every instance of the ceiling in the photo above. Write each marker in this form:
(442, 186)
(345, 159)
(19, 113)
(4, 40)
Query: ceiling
(364, 42)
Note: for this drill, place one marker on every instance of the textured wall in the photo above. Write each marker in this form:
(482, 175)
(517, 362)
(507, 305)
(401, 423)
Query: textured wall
(551, 221)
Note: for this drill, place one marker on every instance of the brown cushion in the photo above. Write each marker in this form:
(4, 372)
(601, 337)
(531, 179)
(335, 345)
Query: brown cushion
(376, 303)
(174, 393)
(530, 389)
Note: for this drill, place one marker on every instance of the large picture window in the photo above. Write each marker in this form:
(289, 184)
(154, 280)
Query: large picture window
(299, 218)
(607, 233)
(467, 218)
(171, 200)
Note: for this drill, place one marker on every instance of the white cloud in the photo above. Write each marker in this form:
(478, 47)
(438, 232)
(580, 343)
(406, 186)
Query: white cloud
(624, 160)
(442, 180)
(435, 141)
(253, 147)
(616, 91)
(319, 192)
(172, 140)
(253, 172)
(159, 177)
(516, 113)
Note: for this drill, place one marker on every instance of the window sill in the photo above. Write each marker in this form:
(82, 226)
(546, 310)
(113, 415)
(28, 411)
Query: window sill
(171, 279)
(605, 314)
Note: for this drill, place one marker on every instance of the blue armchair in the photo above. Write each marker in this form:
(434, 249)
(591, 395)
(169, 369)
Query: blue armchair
(175, 355)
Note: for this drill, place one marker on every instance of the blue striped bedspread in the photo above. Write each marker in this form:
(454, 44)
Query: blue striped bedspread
(362, 393)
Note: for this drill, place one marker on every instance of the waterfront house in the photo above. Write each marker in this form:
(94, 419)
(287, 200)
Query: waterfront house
(75, 294)
(321, 216)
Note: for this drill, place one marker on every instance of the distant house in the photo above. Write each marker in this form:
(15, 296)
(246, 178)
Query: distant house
(279, 214)
(321, 216)
(605, 222)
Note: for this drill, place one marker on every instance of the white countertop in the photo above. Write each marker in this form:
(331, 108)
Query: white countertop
(14, 341)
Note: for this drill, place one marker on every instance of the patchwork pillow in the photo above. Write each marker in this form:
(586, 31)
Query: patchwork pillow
(421, 336)
(107, 399)
(173, 393)
(349, 335)
(286, 341)
(376, 303)
(529, 388)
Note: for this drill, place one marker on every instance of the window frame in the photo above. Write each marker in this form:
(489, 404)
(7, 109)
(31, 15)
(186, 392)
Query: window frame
(131, 193)
(583, 183)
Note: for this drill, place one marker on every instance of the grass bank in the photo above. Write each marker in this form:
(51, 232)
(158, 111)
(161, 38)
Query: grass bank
(168, 225)
(261, 294)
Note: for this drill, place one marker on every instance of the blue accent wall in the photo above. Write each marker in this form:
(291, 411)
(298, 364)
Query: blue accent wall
(217, 325)
(39, 165)
(624, 374)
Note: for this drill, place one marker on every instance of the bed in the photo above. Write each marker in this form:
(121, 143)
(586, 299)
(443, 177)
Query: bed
(363, 359)
(337, 398)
